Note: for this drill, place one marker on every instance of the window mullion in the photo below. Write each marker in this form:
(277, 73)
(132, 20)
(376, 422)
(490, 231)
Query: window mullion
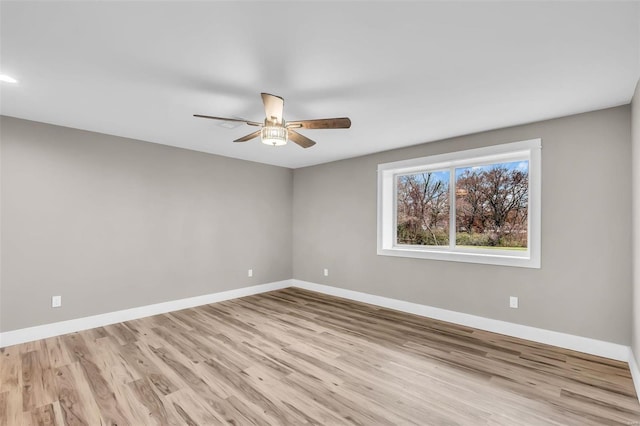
(395, 209)
(452, 208)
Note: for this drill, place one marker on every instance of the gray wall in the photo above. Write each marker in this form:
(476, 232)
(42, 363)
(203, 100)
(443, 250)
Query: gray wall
(584, 285)
(111, 223)
(635, 141)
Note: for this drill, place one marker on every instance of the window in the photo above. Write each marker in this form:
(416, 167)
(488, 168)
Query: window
(480, 206)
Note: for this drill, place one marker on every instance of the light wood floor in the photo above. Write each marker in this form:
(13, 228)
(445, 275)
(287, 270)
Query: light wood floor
(297, 357)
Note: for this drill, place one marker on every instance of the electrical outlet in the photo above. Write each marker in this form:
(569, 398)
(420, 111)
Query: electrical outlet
(250, 273)
(326, 272)
(56, 301)
(513, 302)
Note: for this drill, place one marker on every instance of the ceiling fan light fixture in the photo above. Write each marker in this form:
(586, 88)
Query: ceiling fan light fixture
(274, 135)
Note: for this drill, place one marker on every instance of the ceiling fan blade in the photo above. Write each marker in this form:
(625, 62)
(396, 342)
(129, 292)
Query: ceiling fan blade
(301, 140)
(249, 136)
(273, 107)
(239, 120)
(323, 123)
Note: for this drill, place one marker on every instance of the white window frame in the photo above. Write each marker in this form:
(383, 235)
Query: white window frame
(387, 209)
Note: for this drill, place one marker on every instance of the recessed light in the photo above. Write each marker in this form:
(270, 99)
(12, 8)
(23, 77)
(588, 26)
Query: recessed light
(7, 79)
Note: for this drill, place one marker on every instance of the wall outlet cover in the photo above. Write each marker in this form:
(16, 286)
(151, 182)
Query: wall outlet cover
(56, 301)
(513, 302)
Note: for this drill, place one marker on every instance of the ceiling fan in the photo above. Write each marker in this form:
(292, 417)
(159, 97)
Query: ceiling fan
(276, 131)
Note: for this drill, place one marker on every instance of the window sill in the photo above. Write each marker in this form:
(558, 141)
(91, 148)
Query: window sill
(503, 258)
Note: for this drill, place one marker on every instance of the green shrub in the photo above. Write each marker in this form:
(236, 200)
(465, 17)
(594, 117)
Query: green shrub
(421, 237)
(491, 240)
(474, 239)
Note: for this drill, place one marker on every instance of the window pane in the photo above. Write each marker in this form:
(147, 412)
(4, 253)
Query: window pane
(492, 205)
(423, 208)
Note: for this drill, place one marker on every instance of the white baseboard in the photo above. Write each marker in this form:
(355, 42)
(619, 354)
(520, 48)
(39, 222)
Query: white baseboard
(29, 334)
(635, 372)
(568, 341)
(563, 340)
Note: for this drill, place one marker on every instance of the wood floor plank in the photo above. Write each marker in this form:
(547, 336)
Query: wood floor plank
(43, 416)
(71, 404)
(38, 387)
(191, 376)
(297, 357)
(121, 333)
(157, 413)
(140, 358)
(4, 407)
(32, 346)
(56, 352)
(307, 411)
(110, 361)
(76, 397)
(251, 397)
(191, 408)
(7, 414)
(102, 391)
(10, 369)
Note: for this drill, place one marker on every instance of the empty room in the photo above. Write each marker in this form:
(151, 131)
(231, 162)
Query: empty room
(323, 213)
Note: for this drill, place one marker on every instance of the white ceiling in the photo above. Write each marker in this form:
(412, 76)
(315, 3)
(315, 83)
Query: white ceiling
(405, 73)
